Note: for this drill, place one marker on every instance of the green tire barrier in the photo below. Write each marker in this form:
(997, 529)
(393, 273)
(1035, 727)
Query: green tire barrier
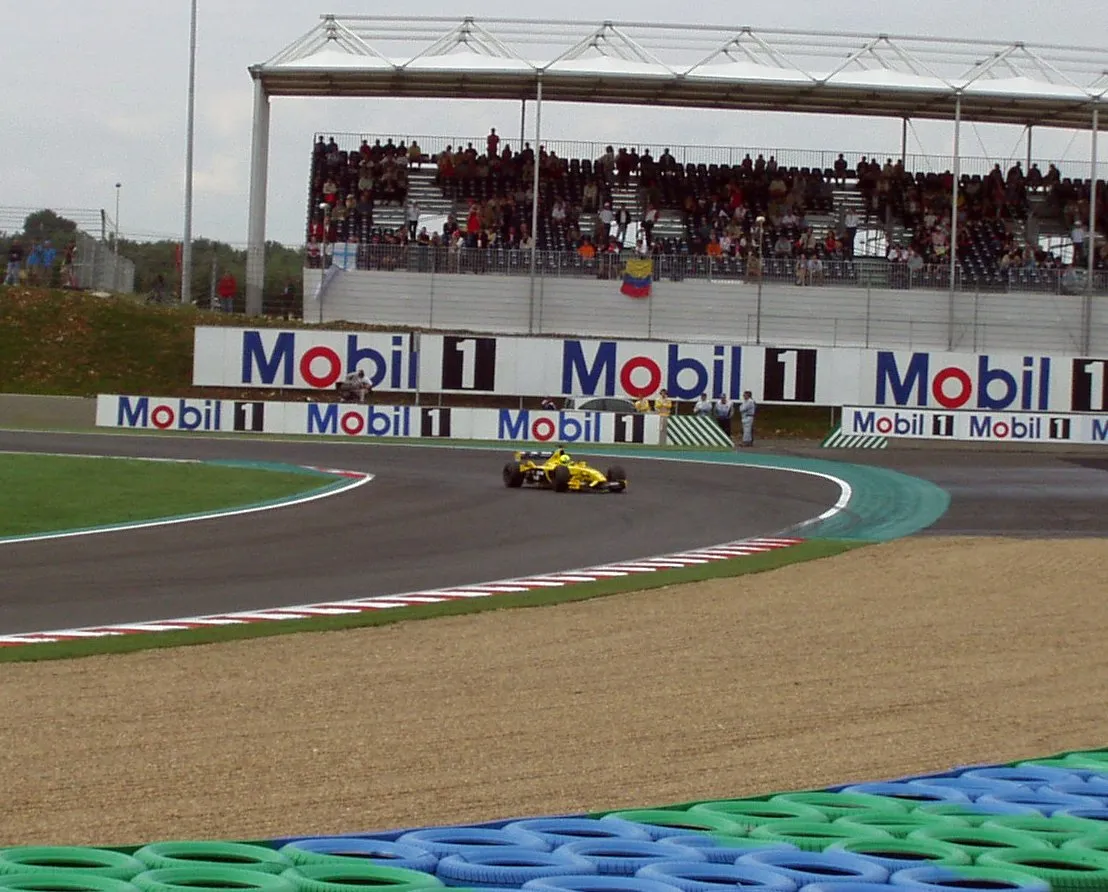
(900, 825)
(706, 822)
(97, 862)
(898, 854)
(187, 853)
(1095, 843)
(977, 841)
(1055, 830)
(751, 814)
(68, 880)
(211, 877)
(954, 810)
(814, 836)
(838, 805)
(358, 878)
(1069, 870)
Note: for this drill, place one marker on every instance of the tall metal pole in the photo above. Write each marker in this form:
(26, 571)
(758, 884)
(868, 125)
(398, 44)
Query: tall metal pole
(522, 121)
(115, 258)
(535, 197)
(1029, 129)
(954, 217)
(904, 142)
(186, 241)
(1090, 238)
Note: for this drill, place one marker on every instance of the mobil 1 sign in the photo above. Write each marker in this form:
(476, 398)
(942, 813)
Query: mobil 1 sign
(575, 367)
(981, 427)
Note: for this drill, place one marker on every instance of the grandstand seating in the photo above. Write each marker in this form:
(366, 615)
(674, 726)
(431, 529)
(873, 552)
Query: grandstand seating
(707, 214)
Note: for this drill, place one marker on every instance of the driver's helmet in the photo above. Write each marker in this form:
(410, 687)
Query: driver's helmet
(565, 459)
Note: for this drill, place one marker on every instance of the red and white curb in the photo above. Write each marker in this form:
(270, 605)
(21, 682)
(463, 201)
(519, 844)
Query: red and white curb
(698, 556)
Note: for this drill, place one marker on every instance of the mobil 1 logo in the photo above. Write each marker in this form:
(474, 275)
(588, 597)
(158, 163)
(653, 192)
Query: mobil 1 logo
(628, 428)
(942, 425)
(249, 417)
(1090, 385)
(789, 376)
(434, 422)
(468, 364)
(1059, 429)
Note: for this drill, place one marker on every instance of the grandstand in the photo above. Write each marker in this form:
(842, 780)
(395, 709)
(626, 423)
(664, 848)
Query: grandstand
(853, 215)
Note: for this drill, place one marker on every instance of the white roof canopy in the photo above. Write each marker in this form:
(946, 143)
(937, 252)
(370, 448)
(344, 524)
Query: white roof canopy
(691, 66)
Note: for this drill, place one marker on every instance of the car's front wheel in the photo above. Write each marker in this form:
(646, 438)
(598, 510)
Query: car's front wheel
(561, 478)
(513, 475)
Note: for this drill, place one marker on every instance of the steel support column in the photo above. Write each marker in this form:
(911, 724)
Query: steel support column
(957, 170)
(255, 237)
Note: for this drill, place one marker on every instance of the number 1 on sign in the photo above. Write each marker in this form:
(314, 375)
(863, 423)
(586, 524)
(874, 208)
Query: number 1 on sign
(1095, 371)
(788, 360)
(467, 347)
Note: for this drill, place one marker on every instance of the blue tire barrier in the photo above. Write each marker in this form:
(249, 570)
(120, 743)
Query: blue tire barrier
(845, 887)
(1092, 785)
(1098, 843)
(356, 876)
(624, 857)
(815, 836)
(443, 841)
(558, 831)
(819, 867)
(900, 854)
(64, 880)
(900, 825)
(967, 879)
(1065, 870)
(726, 849)
(1044, 801)
(342, 849)
(751, 814)
(838, 805)
(196, 853)
(1053, 830)
(695, 876)
(1031, 775)
(977, 841)
(911, 792)
(661, 822)
(1099, 815)
(211, 877)
(99, 862)
(509, 868)
(598, 883)
(979, 786)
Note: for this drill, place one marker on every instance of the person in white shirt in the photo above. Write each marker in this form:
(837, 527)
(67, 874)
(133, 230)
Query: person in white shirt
(850, 230)
(703, 406)
(747, 410)
(411, 217)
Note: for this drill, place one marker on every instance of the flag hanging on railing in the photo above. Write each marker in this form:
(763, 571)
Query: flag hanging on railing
(637, 276)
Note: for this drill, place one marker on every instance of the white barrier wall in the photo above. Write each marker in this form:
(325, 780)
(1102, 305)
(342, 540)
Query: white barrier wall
(377, 422)
(573, 367)
(735, 311)
(979, 427)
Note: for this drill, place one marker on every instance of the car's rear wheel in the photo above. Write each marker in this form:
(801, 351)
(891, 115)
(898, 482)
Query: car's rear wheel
(561, 478)
(513, 475)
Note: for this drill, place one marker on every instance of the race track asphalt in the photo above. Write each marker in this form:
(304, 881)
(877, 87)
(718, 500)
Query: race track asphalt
(430, 518)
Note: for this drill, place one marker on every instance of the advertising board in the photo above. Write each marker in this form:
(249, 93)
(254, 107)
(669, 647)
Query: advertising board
(375, 421)
(977, 427)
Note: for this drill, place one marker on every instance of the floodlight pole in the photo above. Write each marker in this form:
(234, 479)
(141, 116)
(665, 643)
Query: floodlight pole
(186, 241)
(1091, 238)
(1029, 129)
(255, 235)
(954, 217)
(535, 198)
(522, 121)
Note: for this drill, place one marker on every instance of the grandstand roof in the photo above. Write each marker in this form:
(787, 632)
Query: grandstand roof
(691, 66)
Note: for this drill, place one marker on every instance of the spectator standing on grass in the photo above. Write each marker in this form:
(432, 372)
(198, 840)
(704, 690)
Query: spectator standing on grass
(15, 262)
(703, 406)
(49, 256)
(747, 410)
(227, 290)
(69, 267)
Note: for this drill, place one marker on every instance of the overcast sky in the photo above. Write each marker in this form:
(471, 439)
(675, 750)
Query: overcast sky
(95, 94)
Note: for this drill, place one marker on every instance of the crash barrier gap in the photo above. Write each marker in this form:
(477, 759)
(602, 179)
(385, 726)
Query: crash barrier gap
(1032, 826)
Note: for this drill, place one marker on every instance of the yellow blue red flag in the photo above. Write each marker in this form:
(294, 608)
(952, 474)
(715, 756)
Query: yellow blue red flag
(637, 276)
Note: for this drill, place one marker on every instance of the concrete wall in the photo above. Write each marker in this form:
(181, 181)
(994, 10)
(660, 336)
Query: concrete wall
(727, 310)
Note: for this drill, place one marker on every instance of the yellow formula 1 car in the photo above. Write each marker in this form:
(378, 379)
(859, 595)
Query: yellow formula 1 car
(558, 471)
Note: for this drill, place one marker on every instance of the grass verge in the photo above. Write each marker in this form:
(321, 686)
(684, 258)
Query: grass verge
(50, 493)
(122, 644)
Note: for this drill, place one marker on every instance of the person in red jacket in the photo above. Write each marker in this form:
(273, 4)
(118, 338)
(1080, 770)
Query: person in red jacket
(227, 289)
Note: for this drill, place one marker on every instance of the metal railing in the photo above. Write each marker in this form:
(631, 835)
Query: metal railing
(863, 273)
(820, 159)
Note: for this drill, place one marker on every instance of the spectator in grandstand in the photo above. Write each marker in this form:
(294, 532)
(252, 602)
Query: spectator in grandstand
(815, 270)
(801, 269)
(841, 167)
(850, 232)
(227, 289)
(492, 143)
(1077, 236)
(411, 217)
(623, 220)
(15, 262)
(650, 219)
